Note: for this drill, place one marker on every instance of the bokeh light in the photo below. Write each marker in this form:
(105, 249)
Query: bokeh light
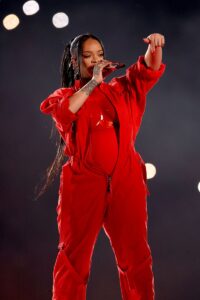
(60, 20)
(30, 8)
(151, 170)
(11, 22)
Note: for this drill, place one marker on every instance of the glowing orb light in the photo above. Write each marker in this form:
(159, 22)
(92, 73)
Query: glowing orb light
(151, 170)
(60, 20)
(30, 8)
(10, 22)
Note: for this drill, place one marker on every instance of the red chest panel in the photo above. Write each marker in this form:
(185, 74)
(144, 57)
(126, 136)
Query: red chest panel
(103, 113)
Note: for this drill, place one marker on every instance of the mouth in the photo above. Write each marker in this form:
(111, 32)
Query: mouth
(90, 69)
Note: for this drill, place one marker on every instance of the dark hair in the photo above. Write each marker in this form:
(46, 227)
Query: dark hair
(74, 47)
(68, 76)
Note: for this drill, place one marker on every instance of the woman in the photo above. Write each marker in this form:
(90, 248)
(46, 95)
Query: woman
(103, 183)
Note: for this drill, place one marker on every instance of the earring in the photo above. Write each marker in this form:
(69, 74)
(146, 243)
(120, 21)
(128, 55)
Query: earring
(76, 72)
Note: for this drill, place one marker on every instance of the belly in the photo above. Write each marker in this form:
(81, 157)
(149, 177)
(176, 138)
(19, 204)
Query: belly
(103, 149)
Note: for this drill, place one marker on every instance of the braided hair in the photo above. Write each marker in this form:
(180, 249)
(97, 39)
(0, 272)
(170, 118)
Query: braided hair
(69, 74)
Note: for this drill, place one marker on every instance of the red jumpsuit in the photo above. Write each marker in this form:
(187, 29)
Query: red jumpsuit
(103, 184)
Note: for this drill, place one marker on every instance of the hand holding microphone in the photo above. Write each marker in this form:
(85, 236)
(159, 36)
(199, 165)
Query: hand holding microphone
(104, 68)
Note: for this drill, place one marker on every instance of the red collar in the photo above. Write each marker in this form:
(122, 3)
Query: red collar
(78, 84)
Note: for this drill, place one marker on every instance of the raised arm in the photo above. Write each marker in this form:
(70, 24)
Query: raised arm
(153, 55)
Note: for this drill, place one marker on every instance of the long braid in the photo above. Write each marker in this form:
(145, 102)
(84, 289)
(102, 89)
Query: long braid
(68, 77)
(67, 80)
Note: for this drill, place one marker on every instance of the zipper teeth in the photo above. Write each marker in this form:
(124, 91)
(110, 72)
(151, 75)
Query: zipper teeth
(109, 183)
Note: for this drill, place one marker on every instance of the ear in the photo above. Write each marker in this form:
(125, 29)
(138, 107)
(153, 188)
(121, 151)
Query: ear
(74, 62)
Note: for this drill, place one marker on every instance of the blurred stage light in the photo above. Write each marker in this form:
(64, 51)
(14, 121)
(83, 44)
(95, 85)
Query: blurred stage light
(60, 20)
(10, 22)
(151, 170)
(30, 8)
(198, 186)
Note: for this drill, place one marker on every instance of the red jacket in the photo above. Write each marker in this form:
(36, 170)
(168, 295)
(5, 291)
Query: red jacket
(128, 95)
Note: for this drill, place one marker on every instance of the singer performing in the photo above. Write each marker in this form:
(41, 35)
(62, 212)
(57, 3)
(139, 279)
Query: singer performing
(103, 183)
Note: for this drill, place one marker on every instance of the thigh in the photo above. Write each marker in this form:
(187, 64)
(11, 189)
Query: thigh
(80, 209)
(126, 220)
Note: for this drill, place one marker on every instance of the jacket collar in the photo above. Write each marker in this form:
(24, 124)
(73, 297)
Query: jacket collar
(78, 84)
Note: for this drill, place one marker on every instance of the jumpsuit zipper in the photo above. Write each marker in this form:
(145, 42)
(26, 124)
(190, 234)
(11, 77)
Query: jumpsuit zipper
(108, 183)
(109, 177)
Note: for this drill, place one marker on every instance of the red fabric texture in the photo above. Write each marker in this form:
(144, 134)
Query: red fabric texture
(103, 184)
(103, 144)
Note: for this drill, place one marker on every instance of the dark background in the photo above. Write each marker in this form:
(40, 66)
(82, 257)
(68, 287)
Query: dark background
(169, 138)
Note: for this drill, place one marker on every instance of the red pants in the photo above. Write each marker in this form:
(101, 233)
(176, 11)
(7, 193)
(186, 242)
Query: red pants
(85, 205)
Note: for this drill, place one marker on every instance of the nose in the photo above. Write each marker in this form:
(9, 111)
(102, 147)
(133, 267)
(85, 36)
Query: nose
(96, 59)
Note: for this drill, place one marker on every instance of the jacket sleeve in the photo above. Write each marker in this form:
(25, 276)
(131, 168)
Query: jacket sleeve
(57, 105)
(134, 86)
(143, 78)
(138, 78)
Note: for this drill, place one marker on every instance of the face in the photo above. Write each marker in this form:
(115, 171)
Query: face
(92, 53)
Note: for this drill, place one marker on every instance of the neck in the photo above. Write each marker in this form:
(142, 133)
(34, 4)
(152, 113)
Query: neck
(83, 81)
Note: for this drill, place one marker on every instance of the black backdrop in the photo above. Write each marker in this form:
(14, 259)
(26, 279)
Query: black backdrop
(169, 138)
